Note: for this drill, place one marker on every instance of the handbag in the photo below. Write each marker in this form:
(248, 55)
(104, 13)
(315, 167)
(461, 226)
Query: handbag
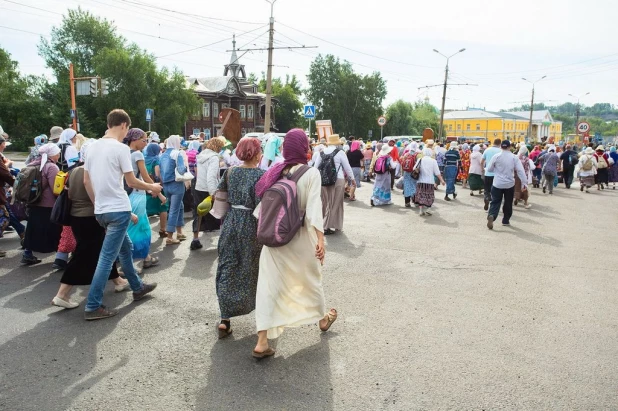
(187, 176)
(399, 183)
(221, 205)
(416, 173)
(61, 213)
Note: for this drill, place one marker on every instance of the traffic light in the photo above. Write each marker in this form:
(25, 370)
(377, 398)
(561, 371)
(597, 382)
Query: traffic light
(94, 89)
(104, 87)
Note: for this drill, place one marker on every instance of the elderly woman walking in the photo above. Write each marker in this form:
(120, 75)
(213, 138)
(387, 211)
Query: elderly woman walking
(409, 183)
(475, 177)
(451, 167)
(139, 232)
(41, 234)
(528, 170)
(613, 168)
(332, 195)
(206, 182)
(156, 205)
(428, 171)
(355, 158)
(239, 250)
(289, 290)
(382, 168)
(602, 176)
(587, 169)
(173, 159)
(464, 165)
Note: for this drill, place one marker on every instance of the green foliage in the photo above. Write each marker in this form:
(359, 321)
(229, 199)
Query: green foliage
(23, 113)
(352, 101)
(135, 83)
(288, 108)
(407, 119)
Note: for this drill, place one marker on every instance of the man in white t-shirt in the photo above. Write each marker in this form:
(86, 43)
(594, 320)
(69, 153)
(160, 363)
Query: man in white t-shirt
(106, 165)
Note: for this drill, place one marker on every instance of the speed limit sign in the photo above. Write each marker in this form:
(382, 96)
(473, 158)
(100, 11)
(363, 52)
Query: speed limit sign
(583, 127)
(381, 121)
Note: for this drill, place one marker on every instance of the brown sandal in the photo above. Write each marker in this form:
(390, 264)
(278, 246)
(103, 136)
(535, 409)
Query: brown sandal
(261, 355)
(331, 316)
(224, 332)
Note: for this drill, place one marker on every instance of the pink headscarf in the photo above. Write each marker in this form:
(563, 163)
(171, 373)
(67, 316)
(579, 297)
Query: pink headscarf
(354, 146)
(295, 148)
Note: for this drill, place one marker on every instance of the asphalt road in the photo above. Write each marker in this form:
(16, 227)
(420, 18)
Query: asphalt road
(435, 313)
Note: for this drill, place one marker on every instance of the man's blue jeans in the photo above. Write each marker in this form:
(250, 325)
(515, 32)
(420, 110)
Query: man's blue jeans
(116, 245)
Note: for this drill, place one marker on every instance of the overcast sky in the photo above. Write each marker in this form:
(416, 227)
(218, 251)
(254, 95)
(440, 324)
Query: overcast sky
(569, 41)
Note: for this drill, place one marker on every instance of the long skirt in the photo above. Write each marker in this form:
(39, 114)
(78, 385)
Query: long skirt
(587, 181)
(520, 195)
(140, 232)
(154, 205)
(239, 263)
(602, 176)
(613, 173)
(409, 184)
(42, 235)
(450, 175)
(475, 181)
(332, 205)
(290, 291)
(424, 195)
(357, 176)
(208, 222)
(382, 190)
(89, 236)
(367, 167)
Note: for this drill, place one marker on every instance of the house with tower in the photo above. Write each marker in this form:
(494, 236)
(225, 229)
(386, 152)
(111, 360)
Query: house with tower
(230, 90)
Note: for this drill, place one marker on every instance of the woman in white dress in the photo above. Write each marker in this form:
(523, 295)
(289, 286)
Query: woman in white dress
(289, 289)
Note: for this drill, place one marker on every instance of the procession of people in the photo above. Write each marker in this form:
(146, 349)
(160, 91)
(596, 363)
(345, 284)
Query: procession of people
(113, 185)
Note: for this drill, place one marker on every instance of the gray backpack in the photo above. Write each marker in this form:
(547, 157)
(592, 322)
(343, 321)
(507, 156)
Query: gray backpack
(280, 217)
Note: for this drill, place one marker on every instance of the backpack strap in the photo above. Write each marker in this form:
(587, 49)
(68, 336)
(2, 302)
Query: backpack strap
(298, 173)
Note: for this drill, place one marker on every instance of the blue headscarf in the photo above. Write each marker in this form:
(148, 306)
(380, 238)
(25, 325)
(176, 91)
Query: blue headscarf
(151, 154)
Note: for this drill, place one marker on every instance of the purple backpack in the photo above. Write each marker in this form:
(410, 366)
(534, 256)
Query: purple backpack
(280, 217)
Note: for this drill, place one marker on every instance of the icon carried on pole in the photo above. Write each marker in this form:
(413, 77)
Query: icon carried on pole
(583, 127)
(149, 114)
(381, 121)
(72, 114)
(309, 111)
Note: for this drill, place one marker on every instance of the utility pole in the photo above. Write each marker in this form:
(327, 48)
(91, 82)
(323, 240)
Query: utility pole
(73, 104)
(444, 89)
(577, 111)
(532, 106)
(269, 75)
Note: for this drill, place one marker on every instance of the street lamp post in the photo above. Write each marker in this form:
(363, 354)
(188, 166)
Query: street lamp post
(531, 104)
(444, 90)
(577, 111)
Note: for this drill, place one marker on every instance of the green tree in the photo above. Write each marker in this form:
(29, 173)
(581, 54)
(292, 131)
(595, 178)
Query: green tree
(23, 114)
(135, 82)
(288, 106)
(407, 119)
(352, 101)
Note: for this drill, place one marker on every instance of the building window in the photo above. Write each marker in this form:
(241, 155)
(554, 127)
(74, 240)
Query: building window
(478, 127)
(225, 105)
(243, 113)
(206, 110)
(250, 111)
(450, 127)
(458, 127)
(467, 127)
(215, 110)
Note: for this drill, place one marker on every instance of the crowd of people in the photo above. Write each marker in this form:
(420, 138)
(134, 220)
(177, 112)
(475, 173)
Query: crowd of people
(94, 199)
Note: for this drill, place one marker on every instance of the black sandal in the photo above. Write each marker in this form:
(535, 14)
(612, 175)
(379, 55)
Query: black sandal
(224, 332)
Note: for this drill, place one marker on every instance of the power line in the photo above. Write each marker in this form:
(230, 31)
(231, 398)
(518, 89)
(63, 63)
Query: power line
(357, 51)
(23, 31)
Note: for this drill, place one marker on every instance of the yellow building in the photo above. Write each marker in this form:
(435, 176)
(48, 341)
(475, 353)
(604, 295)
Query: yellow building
(505, 126)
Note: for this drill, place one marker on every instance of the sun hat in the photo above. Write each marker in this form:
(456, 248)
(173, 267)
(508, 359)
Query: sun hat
(589, 151)
(453, 145)
(333, 140)
(367, 146)
(600, 148)
(54, 133)
(193, 137)
(430, 143)
(386, 149)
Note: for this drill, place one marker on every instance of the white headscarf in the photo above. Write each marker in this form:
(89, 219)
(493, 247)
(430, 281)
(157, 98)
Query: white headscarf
(412, 147)
(194, 145)
(173, 143)
(67, 135)
(523, 150)
(47, 150)
(476, 148)
(427, 152)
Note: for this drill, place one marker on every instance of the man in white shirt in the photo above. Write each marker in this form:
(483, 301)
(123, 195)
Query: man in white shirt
(108, 162)
(504, 165)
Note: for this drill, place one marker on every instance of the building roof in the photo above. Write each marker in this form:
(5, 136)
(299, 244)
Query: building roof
(538, 116)
(469, 114)
(209, 84)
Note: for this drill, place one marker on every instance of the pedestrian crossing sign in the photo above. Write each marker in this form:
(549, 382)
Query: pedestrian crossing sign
(309, 111)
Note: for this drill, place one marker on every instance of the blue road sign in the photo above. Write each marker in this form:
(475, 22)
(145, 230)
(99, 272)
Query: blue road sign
(309, 111)
(72, 114)
(149, 114)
